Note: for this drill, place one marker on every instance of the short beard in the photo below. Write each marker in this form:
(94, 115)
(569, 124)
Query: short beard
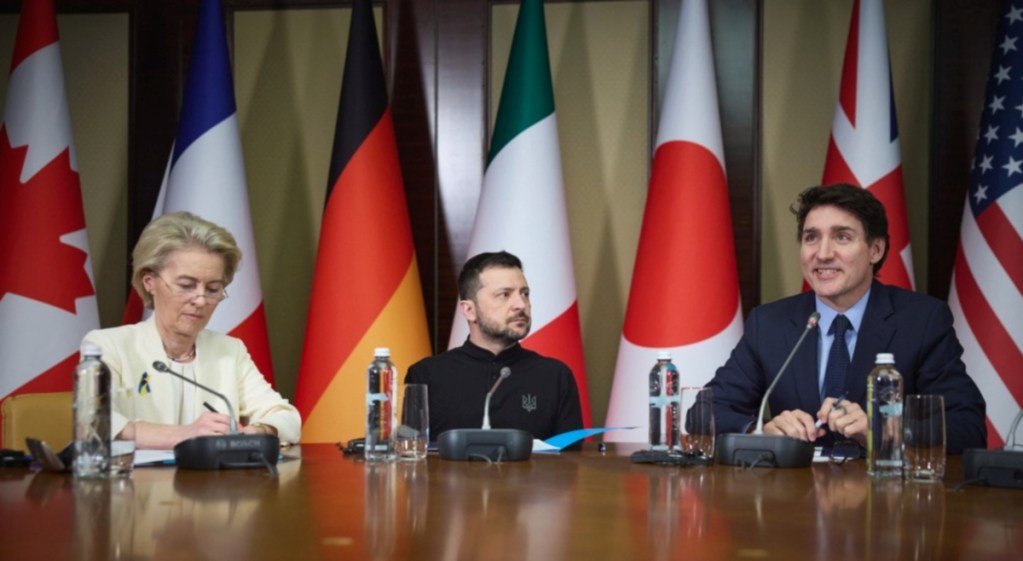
(504, 335)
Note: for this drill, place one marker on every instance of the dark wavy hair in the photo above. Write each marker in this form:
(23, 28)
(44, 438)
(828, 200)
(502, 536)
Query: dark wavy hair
(859, 202)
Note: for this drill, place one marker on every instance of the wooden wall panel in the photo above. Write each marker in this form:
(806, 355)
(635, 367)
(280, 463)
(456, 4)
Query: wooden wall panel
(964, 34)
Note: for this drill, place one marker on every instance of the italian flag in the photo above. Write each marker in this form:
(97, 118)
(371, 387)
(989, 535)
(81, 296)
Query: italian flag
(522, 204)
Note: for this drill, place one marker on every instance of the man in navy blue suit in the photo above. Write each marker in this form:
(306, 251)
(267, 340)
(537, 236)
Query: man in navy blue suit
(843, 237)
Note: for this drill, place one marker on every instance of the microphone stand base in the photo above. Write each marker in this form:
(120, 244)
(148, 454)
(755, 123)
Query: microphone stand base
(485, 444)
(228, 451)
(763, 450)
(997, 468)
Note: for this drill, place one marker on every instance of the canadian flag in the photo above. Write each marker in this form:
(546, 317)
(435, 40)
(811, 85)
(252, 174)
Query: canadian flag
(47, 299)
(685, 286)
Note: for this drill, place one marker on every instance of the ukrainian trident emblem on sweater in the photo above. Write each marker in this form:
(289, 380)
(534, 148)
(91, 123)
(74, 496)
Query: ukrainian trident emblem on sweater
(529, 402)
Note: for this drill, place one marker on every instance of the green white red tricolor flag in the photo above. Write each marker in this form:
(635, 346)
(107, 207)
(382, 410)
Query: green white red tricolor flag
(522, 203)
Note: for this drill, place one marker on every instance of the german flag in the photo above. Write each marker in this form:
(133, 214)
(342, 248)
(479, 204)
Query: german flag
(366, 291)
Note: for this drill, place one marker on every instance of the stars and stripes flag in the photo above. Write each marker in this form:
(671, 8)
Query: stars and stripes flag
(864, 146)
(987, 282)
(693, 311)
(206, 176)
(522, 203)
(47, 299)
(366, 290)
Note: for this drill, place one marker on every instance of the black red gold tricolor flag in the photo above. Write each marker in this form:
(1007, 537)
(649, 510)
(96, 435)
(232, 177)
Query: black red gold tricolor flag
(366, 291)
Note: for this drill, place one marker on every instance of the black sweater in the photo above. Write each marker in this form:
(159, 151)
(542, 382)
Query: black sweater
(539, 397)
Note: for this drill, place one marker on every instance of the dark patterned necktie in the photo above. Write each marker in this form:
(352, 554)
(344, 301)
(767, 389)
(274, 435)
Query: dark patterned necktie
(838, 359)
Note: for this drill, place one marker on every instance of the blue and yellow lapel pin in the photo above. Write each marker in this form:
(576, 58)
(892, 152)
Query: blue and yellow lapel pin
(144, 384)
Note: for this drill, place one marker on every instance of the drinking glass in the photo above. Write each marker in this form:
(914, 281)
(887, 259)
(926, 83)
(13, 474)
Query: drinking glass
(696, 421)
(923, 422)
(413, 434)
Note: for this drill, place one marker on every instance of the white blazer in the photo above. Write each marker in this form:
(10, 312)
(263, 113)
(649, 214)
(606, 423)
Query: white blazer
(221, 362)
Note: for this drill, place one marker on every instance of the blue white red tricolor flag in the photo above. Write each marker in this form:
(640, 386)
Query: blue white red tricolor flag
(864, 146)
(684, 296)
(206, 176)
(47, 300)
(987, 283)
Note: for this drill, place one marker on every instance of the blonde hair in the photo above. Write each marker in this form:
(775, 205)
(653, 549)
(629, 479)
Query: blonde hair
(176, 231)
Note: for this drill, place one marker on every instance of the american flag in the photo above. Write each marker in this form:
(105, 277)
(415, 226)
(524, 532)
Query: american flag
(987, 283)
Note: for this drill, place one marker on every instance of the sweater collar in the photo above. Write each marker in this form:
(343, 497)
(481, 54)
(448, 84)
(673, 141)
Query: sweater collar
(506, 356)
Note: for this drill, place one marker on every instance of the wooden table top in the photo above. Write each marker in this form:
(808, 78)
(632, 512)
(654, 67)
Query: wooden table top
(577, 505)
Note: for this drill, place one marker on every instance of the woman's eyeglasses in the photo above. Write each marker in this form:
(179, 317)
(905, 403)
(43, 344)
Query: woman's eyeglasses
(189, 290)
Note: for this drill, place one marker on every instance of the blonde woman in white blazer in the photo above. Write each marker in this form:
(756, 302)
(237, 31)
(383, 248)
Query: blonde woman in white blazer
(182, 266)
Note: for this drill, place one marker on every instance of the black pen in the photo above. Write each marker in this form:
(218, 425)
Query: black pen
(210, 407)
(820, 422)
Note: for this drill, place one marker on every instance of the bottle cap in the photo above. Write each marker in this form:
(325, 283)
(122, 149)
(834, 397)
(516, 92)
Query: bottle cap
(885, 358)
(382, 351)
(663, 355)
(91, 349)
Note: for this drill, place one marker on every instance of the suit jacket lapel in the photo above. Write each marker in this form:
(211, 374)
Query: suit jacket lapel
(875, 336)
(804, 367)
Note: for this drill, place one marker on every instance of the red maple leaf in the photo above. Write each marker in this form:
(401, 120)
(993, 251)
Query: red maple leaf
(34, 263)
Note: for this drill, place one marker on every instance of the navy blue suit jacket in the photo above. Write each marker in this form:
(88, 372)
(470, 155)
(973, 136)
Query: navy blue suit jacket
(915, 327)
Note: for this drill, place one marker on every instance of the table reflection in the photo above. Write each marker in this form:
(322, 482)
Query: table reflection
(490, 510)
(573, 506)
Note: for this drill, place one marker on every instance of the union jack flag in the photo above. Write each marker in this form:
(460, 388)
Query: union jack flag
(987, 283)
(864, 146)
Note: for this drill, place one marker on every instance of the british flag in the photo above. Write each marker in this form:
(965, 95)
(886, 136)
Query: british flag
(987, 283)
(864, 146)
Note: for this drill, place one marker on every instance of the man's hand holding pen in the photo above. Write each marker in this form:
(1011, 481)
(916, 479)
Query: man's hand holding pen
(843, 417)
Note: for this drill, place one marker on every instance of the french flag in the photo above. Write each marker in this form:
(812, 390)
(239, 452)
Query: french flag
(206, 176)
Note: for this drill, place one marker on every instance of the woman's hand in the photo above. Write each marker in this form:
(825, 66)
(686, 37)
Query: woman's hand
(208, 423)
(259, 428)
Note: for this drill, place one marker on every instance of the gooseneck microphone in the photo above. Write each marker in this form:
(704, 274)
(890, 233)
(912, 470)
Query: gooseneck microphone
(224, 451)
(159, 365)
(767, 450)
(811, 322)
(505, 372)
(486, 443)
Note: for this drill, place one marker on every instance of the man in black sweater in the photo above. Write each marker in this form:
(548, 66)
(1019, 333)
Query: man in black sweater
(539, 396)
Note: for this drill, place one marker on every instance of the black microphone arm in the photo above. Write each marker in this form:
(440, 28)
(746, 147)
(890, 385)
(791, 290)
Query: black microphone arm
(224, 451)
(159, 365)
(486, 443)
(768, 450)
(811, 322)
